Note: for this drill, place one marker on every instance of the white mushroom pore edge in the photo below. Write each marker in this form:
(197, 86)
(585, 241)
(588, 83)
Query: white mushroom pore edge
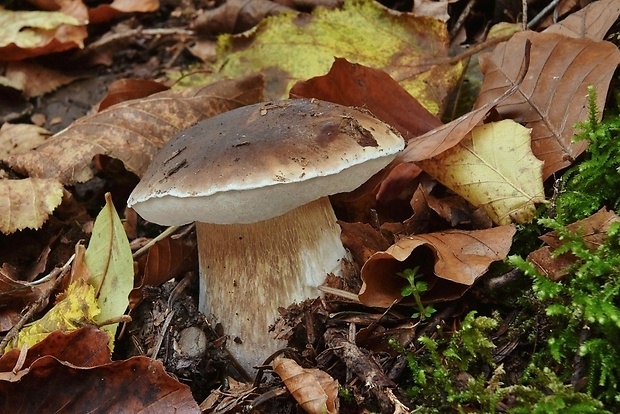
(256, 181)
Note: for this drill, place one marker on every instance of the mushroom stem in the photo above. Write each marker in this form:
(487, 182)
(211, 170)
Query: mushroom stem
(249, 270)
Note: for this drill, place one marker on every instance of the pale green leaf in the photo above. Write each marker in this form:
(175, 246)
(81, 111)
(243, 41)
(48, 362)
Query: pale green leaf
(493, 167)
(109, 261)
(292, 47)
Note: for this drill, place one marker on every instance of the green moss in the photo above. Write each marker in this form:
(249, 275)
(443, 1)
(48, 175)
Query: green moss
(594, 181)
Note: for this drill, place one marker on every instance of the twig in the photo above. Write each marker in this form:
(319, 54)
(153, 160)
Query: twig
(364, 367)
(461, 20)
(543, 13)
(340, 293)
(524, 15)
(150, 244)
(61, 272)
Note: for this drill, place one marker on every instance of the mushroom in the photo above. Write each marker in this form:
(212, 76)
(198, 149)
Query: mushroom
(256, 180)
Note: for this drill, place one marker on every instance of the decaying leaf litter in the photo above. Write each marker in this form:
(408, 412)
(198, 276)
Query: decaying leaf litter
(446, 206)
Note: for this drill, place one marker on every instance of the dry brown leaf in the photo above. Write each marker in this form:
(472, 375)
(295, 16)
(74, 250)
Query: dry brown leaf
(167, 259)
(33, 79)
(446, 136)
(105, 12)
(126, 89)
(236, 16)
(314, 390)
(138, 384)
(553, 95)
(592, 229)
(19, 138)
(15, 295)
(456, 256)
(362, 240)
(84, 347)
(132, 131)
(593, 21)
(27, 203)
(353, 84)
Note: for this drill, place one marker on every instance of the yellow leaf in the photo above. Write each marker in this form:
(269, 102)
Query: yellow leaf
(493, 167)
(291, 47)
(27, 203)
(108, 259)
(77, 308)
(30, 29)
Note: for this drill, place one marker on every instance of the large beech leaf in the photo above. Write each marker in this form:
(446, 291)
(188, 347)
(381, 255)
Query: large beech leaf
(108, 259)
(450, 261)
(27, 203)
(493, 167)
(553, 95)
(292, 47)
(132, 131)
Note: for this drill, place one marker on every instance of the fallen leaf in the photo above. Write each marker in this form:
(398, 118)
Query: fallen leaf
(27, 203)
(353, 84)
(236, 16)
(105, 12)
(553, 95)
(592, 229)
(132, 131)
(446, 136)
(19, 138)
(136, 385)
(25, 34)
(361, 240)
(166, 259)
(127, 89)
(292, 47)
(314, 390)
(109, 261)
(15, 295)
(493, 167)
(457, 256)
(33, 79)
(75, 309)
(593, 21)
(84, 347)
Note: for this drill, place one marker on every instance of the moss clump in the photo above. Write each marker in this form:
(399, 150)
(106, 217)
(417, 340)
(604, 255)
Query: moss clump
(595, 181)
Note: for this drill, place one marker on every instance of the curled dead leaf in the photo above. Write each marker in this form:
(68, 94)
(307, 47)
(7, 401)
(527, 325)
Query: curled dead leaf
(314, 390)
(458, 257)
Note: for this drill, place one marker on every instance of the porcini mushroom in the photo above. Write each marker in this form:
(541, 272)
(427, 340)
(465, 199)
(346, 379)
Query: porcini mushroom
(256, 180)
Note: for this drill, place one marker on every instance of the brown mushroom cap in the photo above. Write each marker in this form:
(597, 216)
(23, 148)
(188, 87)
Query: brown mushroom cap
(262, 160)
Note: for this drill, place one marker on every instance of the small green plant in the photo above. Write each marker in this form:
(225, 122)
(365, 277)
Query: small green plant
(416, 288)
(595, 180)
